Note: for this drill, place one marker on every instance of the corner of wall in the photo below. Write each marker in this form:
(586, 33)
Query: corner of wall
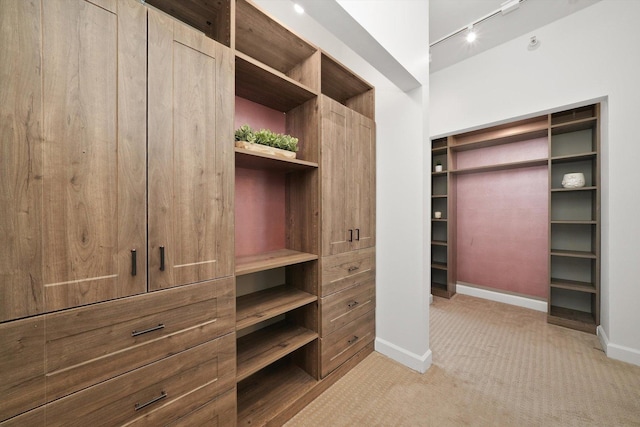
(419, 363)
(618, 352)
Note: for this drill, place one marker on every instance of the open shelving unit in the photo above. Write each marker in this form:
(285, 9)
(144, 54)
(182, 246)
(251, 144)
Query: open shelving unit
(574, 213)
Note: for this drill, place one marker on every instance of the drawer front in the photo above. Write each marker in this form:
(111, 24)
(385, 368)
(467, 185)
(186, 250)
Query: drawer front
(156, 394)
(345, 306)
(91, 344)
(22, 380)
(345, 270)
(220, 412)
(339, 346)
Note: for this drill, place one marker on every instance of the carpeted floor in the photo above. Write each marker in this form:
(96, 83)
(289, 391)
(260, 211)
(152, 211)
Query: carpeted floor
(493, 365)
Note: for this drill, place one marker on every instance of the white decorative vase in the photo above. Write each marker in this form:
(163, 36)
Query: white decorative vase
(437, 214)
(573, 180)
(438, 168)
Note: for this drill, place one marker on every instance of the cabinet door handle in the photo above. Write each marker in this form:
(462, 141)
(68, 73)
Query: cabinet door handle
(352, 269)
(357, 234)
(146, 331)
(353, 304)
(161, 258)
(139, 406)
(354, 339)
(134, 262)
(350, 235)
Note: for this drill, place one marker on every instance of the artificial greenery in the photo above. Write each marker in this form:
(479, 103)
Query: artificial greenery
(438, 163)
(267, 137)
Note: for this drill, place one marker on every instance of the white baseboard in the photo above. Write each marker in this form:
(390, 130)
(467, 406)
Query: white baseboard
(430, 299)
(531, 303)
(407, 358)
(618, 352)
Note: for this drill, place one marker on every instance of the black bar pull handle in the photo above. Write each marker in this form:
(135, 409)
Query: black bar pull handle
(353, 303)
(146, 331)
(352, 268)
(350, 235)
(354, 339)
(357, 234)
(134, 262)
(161, 258)
(139, 406)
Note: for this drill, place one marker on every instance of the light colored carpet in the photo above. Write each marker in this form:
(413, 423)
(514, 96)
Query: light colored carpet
(493, 365)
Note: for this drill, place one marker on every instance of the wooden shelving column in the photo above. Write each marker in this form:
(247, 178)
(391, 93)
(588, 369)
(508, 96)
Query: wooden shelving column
(574, 220)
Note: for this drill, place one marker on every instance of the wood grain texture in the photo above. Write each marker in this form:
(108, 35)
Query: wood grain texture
(342, 344)
(220, 412)
(362, 164)
(269, 260)
(21, 366)
(88, 190)
(190, 155)
(21, 287)
(91, 344)
(345, 270)
(259, 306)
(342, 307)
(189, 379)
(340, 83)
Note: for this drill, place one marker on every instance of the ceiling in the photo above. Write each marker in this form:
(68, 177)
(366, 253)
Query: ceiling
(449, 16)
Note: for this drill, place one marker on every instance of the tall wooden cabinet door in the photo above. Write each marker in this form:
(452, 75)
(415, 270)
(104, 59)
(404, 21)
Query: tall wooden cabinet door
(21, 290)
(336, 210)
(90, 165)
(190, 149)
(362, 191)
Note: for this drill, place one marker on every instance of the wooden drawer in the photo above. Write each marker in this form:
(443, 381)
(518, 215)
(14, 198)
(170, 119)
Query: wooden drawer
(343, 307)
(345, 270)
(157, 394)
(219, 412)
(91, 344)
(338, 347)
(21, 366)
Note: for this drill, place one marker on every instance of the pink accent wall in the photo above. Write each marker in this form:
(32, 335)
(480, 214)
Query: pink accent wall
(502, 229)
(260, 211)
(506, 153)
(258, 116)
(260, 194)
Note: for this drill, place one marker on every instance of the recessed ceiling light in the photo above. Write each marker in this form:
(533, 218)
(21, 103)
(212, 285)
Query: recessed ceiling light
(471, 35)
(298, 8)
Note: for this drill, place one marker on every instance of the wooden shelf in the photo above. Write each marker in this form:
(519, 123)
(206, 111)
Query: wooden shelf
(567, 190)
(440, 290)
(502, 166)
(270, 392)
(253, 160)
(267, 261)
(576, 222)
(264, 85)
(260, 306)
(265, 346)
(573, 285)
(504, 134)
(443, 173)
(439, 219)
(338, 82)
(260, 36)
(439, 196)
(574, 319)
(573, 126)
(573, 254)
(439, 151)
(439, 242)
(574, 157)
(439, 265)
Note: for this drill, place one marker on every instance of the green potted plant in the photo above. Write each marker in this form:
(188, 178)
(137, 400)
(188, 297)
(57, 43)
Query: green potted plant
(266, 141)
(438, 166)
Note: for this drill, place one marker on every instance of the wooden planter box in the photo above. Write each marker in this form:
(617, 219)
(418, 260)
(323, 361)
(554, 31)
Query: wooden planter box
(266, 149)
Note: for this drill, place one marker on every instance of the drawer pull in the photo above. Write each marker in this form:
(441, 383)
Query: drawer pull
(352, 269)
(350, 235)
(353, 304)
(154, 328)
(139, 406)
(354, 339)
(161, 258)
(134, 262)
(357, 234)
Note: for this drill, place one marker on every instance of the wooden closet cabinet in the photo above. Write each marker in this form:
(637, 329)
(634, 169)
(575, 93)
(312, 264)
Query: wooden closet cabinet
(348, 179)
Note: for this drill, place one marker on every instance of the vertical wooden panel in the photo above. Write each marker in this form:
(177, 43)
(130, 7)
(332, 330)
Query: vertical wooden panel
(190, 149)
(21, 291)
(335, 213)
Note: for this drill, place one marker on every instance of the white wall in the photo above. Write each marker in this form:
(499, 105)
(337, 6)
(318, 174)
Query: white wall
(590, 55)
(402, 281)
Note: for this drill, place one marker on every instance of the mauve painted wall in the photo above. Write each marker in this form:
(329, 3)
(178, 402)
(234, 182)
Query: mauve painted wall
(260, 194)
(502, 221)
